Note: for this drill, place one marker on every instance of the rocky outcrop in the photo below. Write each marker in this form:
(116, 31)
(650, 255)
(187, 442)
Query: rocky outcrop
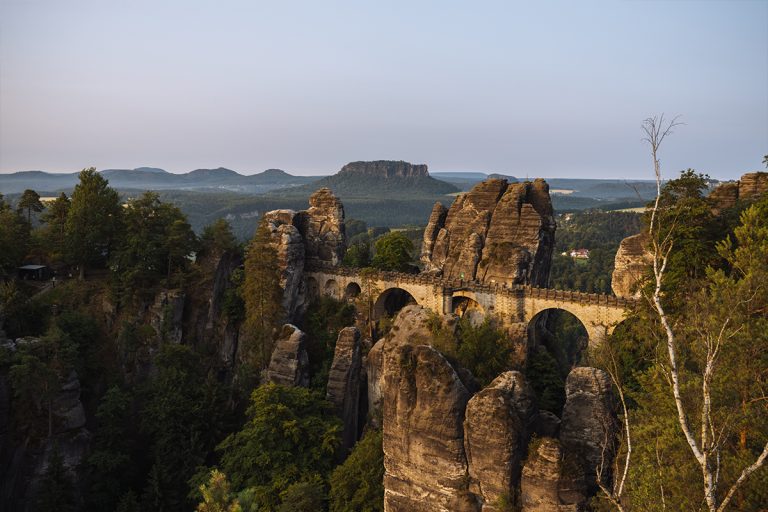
(167, 314)
(385, 169)
(343, 389)
(496, 433)
(748, 188)
(496, 233)
(539, 485)
(289, 363)
(322, 227)
(424, 402)
(374, 366)
(434, 225)
(587, 433)
(289, 244)
(631, 263)
(315, 236)
(68, 410)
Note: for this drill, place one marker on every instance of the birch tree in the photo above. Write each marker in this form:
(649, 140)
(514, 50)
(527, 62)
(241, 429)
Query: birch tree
(712, 330)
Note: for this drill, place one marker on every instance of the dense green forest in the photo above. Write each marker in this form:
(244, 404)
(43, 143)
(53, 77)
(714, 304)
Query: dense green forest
(180, 426)
(599, 232)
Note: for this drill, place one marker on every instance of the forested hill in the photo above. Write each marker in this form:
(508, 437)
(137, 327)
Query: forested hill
(379, 179)
(151, 178)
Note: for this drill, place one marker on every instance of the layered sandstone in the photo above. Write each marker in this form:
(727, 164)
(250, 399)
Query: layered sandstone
(496, 433)
(385, 169)
(539, 485)
(343, 389)
(631, 263)
(748, 188)
(496, 233)
(587, 433)
(315, 236)
(322, 227)
(424, 401)
(289, 365)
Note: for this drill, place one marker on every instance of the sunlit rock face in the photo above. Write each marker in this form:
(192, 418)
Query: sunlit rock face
(498, 232)
(496, 433)
(631, 264)
(748, 188)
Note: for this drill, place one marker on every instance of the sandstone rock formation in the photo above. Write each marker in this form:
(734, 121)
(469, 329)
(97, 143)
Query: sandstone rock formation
(497, 232)
(748, 188)
(309, 237)
(587, 433)
(343, 389)
(322, 227)
(631, 263)
(289, 363)
(289, 245)
(424, 401)
(539, 485)
(67, 408)
(496, 433)
(385, 169)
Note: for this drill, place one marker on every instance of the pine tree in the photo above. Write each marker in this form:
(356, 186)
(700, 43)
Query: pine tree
(93, 220)
(263, 296)
(30, 201)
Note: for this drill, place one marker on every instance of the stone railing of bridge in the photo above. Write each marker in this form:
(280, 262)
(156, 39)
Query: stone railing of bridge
(599, 313)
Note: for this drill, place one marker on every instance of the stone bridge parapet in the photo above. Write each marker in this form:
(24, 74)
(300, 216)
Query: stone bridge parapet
(599, 313)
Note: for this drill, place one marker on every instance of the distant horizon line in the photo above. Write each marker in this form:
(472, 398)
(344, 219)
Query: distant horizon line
(431, 171)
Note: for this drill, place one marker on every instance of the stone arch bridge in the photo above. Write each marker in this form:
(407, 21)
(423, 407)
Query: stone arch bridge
(515, 304)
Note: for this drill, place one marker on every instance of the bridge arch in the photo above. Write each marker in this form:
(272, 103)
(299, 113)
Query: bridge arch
(597, 329)
(352, 291)
(465, 303)
(392, 300)
(331, 289)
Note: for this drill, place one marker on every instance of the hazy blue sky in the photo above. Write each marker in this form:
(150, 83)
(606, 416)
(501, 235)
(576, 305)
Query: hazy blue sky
(526, 88)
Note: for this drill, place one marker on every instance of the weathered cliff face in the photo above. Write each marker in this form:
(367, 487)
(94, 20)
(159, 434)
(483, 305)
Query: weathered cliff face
(385, 169)
(748, 188)
(322, 227)
(539, 485)
(445, 449)
(497, 232)
(343, 389)
(289, 244)
(315, 236)
(289, 365)
(587, 433)
(631, 263)
(496, 433)
(424, 401)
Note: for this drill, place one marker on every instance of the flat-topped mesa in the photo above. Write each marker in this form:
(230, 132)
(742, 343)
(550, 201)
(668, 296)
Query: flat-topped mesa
(385, 169)
(498, 232)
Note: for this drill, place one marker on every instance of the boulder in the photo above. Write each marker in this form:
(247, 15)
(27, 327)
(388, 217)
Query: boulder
(631, 263)
(289, 363)
(343, 389)
(496, 433)
(496, 233)
(588, 433)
